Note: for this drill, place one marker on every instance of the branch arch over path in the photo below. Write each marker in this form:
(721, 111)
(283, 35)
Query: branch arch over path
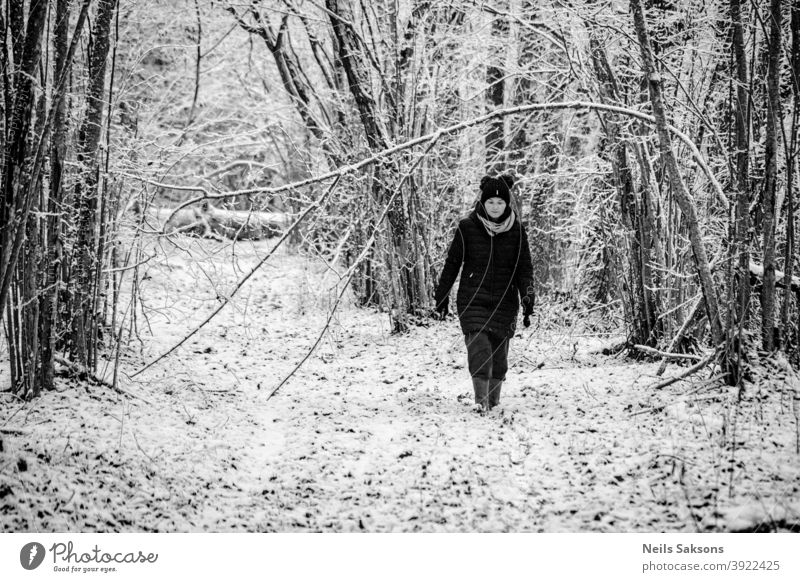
(428, 139)
(433, 136)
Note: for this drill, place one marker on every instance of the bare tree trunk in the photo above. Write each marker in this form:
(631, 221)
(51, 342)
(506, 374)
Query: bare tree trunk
(770, 178)
(19, 256)
(53, 254)
(630, 287)
(651, 256)
(534, 140)
(495, 96)
(5, 67)
(682, 195)
(738, 252)
(86, 191)
(791, 328)
(398, 260)
(198, 59)
(28, 282)
(433, 184)
(16, 195)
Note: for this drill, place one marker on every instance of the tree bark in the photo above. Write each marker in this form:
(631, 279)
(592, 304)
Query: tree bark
(770, 177)
(16, 196)
(53, 249)
(739, 252)
(19, 256)
(790, 328)
(86, 191)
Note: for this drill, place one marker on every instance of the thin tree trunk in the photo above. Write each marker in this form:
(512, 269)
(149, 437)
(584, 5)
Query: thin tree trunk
(21, 256)
(683, 197)
(53, 254)
(198, 59)
(789, 327)
(739, 253)
(651, 253)
(495, 96)
(86, 192)
(399, 263)
(632, 288)
(770, 178)
(16, 200)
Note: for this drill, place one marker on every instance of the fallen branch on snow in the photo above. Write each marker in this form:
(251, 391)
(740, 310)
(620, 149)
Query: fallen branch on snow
(693, 370)
(668, 355)
(681, 332)
(757, 271)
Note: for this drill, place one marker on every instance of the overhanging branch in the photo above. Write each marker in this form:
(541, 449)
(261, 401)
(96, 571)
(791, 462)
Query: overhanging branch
(392, 150)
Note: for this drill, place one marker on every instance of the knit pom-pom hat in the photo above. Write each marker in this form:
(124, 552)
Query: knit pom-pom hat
(499, 187)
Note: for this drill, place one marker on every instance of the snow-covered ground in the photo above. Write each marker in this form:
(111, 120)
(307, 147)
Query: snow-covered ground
(375, 431)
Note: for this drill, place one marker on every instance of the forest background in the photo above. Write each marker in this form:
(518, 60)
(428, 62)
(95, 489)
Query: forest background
(654, 146)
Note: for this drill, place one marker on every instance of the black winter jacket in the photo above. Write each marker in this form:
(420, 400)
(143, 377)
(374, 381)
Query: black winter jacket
(497, 273)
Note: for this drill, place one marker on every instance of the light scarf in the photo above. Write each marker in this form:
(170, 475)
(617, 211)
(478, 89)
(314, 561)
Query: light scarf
(494, 228)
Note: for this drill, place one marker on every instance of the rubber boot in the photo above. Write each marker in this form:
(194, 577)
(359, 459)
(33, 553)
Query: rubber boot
(481, 387)
(494, 392)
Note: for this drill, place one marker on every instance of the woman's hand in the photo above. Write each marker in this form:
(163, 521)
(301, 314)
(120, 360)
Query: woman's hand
(527, 307)
(527, 304)
(443, 308)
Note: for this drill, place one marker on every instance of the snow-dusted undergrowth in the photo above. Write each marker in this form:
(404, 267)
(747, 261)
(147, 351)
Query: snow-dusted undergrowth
(375, 433)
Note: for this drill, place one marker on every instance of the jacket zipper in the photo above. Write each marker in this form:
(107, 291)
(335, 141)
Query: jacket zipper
(491, 269)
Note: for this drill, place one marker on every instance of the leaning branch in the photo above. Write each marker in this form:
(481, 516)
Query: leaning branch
(679, 336)
(348, 276)
(433, 136)
(693, 370)
(240, 284)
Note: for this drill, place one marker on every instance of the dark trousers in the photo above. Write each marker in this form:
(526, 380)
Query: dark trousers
(487, 355)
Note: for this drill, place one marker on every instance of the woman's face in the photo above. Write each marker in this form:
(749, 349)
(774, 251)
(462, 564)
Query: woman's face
(495, 207)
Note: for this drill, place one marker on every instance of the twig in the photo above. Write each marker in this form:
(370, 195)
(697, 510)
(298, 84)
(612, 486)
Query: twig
(138, 446)
(321, 334)
(130, 267)
(13, 431)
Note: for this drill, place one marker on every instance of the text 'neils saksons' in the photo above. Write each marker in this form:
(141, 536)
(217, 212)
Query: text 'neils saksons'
(681, 549)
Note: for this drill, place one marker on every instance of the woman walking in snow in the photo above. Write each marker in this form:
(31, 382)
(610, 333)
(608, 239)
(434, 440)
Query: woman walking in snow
(492, 246)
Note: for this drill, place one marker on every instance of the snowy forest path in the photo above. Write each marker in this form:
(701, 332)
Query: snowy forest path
(373, 433)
